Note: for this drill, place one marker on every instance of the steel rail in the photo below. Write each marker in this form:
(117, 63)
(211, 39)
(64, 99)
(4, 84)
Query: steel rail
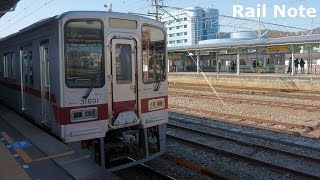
(251, 101)
(263, 92)
(245, 157)
(270, 149)
(236, 119)
(194, 166)
(247, 118)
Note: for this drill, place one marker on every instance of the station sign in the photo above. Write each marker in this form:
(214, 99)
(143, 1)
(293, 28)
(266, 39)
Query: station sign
(278, 49)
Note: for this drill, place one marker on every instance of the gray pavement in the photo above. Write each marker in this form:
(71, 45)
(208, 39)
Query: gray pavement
(68, 166)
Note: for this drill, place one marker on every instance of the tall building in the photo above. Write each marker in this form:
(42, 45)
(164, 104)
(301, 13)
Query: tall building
(189, 26)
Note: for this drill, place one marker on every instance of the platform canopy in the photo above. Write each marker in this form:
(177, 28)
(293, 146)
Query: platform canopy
(293, 40)
(7, 6)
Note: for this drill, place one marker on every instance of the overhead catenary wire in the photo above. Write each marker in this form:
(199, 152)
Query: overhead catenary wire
(45, 4)
(205, 77)
(22, 11)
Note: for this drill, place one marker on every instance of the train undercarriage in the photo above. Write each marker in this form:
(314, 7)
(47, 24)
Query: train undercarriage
(126, 147)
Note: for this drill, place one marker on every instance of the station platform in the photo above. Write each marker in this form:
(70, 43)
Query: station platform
(302, 82)
(27, 152)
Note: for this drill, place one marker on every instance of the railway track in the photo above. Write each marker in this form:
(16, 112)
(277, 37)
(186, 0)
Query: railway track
(224, 128)
(309, 108)
(255, 92)
(272, 125)
(195, 167)
(194, 137)
(230, 139)
(141, 172)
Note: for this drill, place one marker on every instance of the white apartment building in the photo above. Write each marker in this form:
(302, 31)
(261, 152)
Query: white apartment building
(192, 25)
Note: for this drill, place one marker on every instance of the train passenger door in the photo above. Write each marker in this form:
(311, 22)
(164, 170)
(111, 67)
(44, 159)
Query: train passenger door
(45, 84)
(27, 79)
(124, 84)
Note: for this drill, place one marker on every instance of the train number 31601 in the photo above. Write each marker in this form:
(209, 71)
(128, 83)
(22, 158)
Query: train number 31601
(89, 101)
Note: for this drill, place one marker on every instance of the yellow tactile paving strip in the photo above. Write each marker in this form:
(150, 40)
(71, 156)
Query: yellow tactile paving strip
(9, 167)
(27, 158)
(24, 155)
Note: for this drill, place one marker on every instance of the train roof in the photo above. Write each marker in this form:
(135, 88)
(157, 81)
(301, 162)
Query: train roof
(57, 17)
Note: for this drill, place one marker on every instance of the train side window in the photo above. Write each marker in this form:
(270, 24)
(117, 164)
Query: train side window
(46, 58)
(9, 64)
(4, 66)
(154, 49)
(30, 67)
(1, 66)
(25, 66)
(83, 54)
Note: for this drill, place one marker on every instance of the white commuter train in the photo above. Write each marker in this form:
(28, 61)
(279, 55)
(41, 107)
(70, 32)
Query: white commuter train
(88, 75)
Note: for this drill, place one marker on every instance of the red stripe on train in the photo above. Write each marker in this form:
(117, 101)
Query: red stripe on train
(145, 104)
(62, 114)
(28, 90)
(129, 105)
(119, 107)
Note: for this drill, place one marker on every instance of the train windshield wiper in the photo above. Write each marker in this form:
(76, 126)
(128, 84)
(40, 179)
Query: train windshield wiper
(157, 87)
(87, 93)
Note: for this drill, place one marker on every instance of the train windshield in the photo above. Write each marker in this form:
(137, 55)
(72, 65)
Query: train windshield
(84, 59)
(153, 41)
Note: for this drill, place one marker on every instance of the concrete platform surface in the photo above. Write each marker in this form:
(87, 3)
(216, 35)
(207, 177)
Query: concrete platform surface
(33, 154)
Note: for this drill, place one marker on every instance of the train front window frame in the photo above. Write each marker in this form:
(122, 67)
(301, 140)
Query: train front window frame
(84, 53)
(153, 54)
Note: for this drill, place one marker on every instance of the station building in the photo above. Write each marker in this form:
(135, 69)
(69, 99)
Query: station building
(189, 26)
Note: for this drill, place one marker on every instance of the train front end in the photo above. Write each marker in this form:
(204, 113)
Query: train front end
(114, 90)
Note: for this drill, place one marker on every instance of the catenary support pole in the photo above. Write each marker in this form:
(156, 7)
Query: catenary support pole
(292, 61)
(217, 62)
(309, 61)
(238, 62)
(198, 59)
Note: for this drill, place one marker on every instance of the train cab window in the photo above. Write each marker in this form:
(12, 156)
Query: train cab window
(83, 54)
(9, 64)
(154, 60)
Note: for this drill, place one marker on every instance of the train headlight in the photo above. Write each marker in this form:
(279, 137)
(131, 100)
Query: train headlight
(156, 104)
(91, 113)
(84, 114)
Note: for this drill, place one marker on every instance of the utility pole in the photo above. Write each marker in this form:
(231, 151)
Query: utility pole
(157, 9)
(157, 5)
(259, 28)
(108, 6)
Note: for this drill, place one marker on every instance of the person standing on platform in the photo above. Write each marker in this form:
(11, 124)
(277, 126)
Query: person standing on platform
(254, 64)
(302, 65)
(219, 66)
(232, 66)
(290, 66)
(296, 65)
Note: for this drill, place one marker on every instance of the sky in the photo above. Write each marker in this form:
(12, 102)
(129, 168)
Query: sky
(31, 11)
